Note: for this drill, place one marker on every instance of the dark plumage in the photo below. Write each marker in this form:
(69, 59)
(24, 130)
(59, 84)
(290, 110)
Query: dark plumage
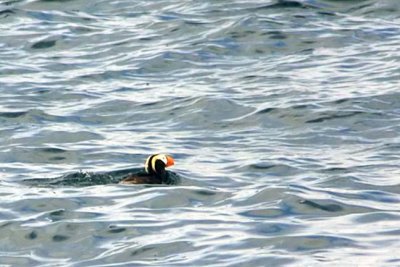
(154, 173)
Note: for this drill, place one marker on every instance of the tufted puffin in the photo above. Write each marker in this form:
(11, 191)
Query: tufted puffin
(154, 171)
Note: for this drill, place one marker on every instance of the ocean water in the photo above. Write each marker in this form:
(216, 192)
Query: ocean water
(283, 118)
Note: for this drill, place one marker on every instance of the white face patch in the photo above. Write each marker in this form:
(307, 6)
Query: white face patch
(154, 158)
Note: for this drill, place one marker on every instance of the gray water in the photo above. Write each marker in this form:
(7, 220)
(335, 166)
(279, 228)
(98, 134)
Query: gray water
(283, 118)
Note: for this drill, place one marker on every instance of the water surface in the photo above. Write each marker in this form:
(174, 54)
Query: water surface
(282, 117)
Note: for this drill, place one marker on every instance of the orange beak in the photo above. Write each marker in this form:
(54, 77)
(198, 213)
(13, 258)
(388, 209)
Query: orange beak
(170, 161)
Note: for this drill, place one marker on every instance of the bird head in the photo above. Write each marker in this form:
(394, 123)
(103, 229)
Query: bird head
(156, 164)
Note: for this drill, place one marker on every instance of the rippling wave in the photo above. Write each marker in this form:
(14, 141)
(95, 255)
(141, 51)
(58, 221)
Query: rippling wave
(282, 115)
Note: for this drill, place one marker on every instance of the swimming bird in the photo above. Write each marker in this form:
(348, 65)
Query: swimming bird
(154, 171)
